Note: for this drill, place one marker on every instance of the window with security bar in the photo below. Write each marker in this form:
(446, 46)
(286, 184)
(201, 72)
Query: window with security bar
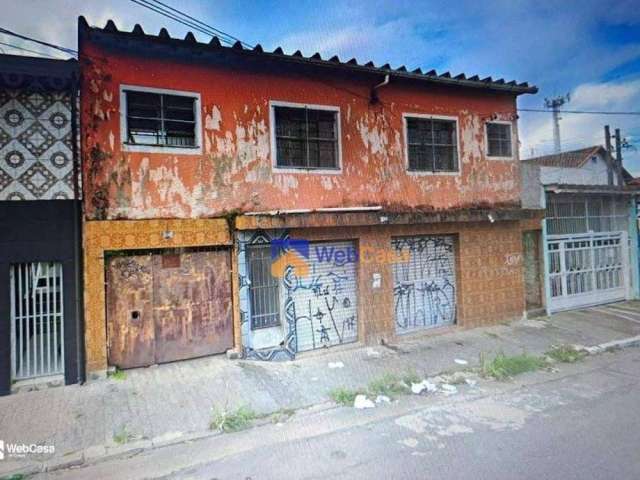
(263, 288)
(568, 214)
(158, 119)
(431, 145)
(306, 138)
(499, 139)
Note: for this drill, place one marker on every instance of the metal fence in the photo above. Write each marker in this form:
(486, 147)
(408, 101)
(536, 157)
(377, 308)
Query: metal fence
(37, 327)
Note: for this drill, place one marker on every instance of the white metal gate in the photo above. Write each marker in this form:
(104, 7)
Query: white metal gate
(424, 288)
(326, 300)
(587, 269)
(37, 327)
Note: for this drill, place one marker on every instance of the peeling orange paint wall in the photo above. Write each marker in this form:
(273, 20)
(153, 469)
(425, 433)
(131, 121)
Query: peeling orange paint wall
(234, 171)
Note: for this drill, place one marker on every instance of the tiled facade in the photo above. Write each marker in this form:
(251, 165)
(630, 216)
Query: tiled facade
(35, 143)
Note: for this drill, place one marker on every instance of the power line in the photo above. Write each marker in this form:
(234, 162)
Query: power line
(206, 25)
(195, 24)
(68, 51)
(28, 50)
(586, 112)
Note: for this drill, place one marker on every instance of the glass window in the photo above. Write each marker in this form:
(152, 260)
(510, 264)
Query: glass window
(432, 145)
(160, 119)
(306, 138)
(499, 140)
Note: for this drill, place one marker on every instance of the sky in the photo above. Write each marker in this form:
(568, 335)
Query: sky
(589, 49)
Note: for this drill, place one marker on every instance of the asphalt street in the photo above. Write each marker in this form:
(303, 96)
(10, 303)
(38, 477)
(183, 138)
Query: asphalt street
(582, 421)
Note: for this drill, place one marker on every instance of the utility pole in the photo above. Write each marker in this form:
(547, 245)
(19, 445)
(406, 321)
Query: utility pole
(607, 146)
(619, 157)
(554, 104)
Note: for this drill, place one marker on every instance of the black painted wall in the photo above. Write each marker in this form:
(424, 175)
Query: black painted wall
(33, 231)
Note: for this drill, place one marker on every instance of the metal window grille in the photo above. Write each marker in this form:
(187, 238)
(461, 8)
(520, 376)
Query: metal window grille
(263, 289)
(37, 327)
(499, 139)
(160, 119)
(432, 145)
(306, 138)
(567, 214)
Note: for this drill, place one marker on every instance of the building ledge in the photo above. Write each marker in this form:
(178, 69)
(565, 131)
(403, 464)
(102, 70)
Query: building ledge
(361, 218)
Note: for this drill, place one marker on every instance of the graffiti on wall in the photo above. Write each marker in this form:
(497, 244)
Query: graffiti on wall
(323, 304)
(319, 307)
(424, 292)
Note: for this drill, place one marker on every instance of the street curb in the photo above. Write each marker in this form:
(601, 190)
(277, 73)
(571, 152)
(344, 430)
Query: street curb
(613, 345)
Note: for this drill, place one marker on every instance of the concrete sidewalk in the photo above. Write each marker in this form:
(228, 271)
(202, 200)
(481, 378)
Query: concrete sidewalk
(172, 403)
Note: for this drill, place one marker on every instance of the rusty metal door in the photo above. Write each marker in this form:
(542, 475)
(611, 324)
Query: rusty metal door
(191, 305)
(181, 304)
(130, 327)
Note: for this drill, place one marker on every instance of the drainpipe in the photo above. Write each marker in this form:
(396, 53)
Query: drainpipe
(77, 249)
(374, 91)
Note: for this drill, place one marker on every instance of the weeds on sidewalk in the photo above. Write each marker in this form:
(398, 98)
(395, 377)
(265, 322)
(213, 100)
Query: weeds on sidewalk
(503, 367)
(15, 476)
(565, 354)
(232, 421)
(122, 436)
(387, 385)
(117, 374)
(344, 396)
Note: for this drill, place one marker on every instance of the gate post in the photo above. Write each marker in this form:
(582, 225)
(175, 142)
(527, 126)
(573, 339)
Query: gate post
(634, 285)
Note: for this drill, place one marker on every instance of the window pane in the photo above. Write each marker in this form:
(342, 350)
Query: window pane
(291, 153)
(290, 122)
(444, 132)
(180, 134)
(306, 138)
(144, 131)
(445, 159)
(143, 104)
(499, 140)
(432, 145)
(179, 108)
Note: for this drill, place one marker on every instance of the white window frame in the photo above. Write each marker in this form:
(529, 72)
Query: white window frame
(486, 140)
(405, 134)
(127, 147)
(274, 150)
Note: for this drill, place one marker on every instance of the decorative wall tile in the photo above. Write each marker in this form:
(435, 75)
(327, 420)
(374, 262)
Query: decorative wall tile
(35, 144)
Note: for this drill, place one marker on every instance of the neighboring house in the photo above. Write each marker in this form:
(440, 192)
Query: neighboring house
(590, 236)
(199, 158)
(40, 314)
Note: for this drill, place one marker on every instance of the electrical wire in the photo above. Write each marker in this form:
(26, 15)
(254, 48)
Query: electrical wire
(68, 51)
(30, 51)
(206, 25)
(586, 112)
(195, 24)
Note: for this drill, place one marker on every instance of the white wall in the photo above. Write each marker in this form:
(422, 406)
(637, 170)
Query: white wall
(594, 172)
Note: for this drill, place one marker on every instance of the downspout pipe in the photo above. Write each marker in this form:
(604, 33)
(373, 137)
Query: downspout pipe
(374, 91)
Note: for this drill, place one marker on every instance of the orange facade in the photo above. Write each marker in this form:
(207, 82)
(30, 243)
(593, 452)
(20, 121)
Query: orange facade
(234, 171)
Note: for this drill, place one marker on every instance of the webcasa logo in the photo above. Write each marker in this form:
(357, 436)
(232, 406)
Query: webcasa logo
(298, 253)
(21, 450)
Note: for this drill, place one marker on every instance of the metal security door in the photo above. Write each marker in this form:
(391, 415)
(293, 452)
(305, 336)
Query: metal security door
(424, 287)
(325, 301)
(37, 326)
(192, 304)
(130, 327)
(166, 307)
(587, 269)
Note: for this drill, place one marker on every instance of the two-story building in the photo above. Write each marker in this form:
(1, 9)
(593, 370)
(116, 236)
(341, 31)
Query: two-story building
(273, 203)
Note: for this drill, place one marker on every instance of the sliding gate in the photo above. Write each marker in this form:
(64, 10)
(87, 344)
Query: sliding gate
(37, 346)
